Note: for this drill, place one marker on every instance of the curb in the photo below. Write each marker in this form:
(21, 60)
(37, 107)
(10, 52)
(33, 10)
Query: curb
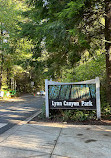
(29, 118)
(6, 131)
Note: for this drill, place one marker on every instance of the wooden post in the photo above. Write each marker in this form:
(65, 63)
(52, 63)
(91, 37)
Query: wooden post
(15, 85)
(98, 109)
(46, 98)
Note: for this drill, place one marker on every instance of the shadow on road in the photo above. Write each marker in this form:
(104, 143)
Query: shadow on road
(18, 109)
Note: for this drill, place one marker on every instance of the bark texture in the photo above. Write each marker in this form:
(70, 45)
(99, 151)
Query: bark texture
(108, 46)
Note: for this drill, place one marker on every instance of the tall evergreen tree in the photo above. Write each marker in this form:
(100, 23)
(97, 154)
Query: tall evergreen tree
(69, 28)
(108, 46)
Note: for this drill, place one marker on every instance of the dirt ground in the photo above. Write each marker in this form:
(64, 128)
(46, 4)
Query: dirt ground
(86, 122)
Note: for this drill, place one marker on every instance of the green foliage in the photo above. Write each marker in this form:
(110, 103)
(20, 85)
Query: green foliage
(106, 111)
(73, 115)
(8, 13)
(48, 39)
(79, 116)
(90, 69)
(72, 9)
(86, 69)
(8, 28)
(47, 22)
(43, 114)
(66, 115)
(67, 28)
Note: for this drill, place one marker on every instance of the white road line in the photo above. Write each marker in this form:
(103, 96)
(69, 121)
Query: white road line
(2, 124)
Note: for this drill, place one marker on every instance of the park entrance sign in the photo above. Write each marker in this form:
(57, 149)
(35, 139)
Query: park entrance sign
(79, 95)
(72, 96)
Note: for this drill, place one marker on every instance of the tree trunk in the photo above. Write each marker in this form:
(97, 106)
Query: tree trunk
(108, 47)
(8, 78)
(1, 58)
(1, 71)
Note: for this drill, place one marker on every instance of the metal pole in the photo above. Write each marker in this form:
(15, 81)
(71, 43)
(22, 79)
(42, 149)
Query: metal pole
(15, 85)
(98, 98)
(46, 98)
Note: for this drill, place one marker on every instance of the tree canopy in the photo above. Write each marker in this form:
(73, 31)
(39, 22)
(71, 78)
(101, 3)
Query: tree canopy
(56, 39)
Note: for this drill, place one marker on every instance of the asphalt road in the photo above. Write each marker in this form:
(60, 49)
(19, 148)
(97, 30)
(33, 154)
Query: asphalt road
(16, 110)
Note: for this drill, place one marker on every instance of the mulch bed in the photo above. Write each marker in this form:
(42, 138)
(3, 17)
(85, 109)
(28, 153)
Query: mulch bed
(39, 119)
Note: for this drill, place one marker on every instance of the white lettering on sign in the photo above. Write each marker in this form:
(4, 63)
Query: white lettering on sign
(71, 104)
(83, 103)
(56, 103)
(65, 103)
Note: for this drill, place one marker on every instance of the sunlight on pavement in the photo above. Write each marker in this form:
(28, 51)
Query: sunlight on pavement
(2, 124)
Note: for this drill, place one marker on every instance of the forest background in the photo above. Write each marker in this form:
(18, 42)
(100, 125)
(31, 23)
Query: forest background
(66, 40)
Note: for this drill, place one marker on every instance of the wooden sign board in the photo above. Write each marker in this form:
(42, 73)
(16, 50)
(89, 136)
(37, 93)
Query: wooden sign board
(83, 95)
